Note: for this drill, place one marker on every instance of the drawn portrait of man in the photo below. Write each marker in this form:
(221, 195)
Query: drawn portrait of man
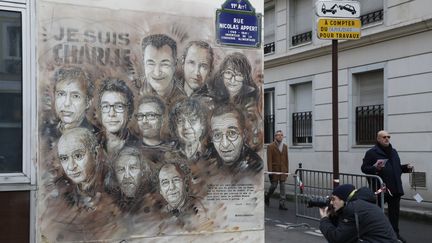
(77, 207)
(172, 186)
(189, 124)
(228, 133)
(197, 64)
(160, 60)
(150, 117)
(181, 206)
(73, 93)
(128, 178)
(130, 170)
(77, 152)
(116, 108)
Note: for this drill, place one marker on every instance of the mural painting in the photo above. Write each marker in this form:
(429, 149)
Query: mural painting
(148, 129)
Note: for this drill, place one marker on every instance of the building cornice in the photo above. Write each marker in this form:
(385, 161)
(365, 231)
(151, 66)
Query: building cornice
(322, 50)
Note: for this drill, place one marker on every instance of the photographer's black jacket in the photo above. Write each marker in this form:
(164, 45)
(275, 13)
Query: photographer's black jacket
(373, 224)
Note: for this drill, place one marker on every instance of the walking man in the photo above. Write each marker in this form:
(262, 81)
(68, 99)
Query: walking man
(277, 161)
(383, 160)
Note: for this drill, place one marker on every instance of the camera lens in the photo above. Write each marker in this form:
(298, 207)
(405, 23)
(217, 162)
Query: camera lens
(319, 202)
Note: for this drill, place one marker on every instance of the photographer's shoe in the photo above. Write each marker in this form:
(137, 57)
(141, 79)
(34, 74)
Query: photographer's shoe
(401, 239)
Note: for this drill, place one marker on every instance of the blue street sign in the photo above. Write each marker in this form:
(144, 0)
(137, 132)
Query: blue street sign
(238, 25)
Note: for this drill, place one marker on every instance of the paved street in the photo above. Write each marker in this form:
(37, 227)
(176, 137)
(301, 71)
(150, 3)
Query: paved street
(281, 226)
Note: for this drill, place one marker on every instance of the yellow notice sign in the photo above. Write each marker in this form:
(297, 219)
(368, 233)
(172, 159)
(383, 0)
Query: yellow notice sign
(338, 29)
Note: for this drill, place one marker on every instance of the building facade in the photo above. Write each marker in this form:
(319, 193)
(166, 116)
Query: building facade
(384, 83)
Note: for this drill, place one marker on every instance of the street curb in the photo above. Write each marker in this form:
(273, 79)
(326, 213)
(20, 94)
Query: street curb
(415, 215)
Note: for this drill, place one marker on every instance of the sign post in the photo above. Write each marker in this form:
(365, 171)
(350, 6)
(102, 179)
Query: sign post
(335, 113)
(337, 20)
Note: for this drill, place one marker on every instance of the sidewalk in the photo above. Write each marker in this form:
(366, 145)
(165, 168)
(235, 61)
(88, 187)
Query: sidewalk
(410, 209)
(284, 226)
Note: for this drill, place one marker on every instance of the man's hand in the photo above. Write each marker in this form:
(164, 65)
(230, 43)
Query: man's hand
(324, 212)
(409, 168)
(380, 164)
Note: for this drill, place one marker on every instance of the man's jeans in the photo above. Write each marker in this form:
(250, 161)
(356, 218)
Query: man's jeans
(281, 189)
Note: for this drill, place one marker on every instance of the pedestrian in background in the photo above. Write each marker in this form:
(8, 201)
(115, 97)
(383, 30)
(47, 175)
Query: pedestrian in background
(277, 161)
(354, 217)
(383, 160)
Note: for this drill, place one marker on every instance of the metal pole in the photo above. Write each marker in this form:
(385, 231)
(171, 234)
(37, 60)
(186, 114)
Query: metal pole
(335, 113)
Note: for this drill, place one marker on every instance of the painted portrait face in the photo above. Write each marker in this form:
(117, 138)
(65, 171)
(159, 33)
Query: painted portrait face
(149, 118)
(227, 137)
(196, 66)
(172, 186)
(70, 102)
(233, 80)
(128, 172)
(159, 67)
(189, 128)
(114, 111)
(74, 157)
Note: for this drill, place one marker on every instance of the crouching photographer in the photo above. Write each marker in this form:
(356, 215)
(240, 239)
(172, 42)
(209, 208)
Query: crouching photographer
(353, 216)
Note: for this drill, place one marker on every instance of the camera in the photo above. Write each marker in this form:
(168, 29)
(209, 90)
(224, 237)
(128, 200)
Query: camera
(318, 202)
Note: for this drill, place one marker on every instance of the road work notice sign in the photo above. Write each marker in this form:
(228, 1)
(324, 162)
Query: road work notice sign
(338, 29)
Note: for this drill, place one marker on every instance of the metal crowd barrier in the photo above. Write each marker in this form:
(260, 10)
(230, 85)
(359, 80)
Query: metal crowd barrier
(319, 184)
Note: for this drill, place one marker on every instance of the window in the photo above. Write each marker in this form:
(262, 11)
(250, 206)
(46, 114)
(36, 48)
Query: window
(301, 19)
(302, 114)
(15, 95)
(302, 127)
(269, 126)
(16, 83)
(10, 93)
(369, 108)
(269, 30)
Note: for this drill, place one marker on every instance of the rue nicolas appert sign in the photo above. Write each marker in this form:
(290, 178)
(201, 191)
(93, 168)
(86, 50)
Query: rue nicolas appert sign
(338, 20)
(237, 24)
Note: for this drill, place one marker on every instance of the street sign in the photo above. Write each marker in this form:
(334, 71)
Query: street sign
(237, 24)
(338, 9)
(338, 29)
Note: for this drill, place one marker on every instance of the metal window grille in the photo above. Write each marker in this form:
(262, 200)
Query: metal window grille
(301, 38)
(369, 120)
(372, 17)
(269, 48)
(302, 127)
